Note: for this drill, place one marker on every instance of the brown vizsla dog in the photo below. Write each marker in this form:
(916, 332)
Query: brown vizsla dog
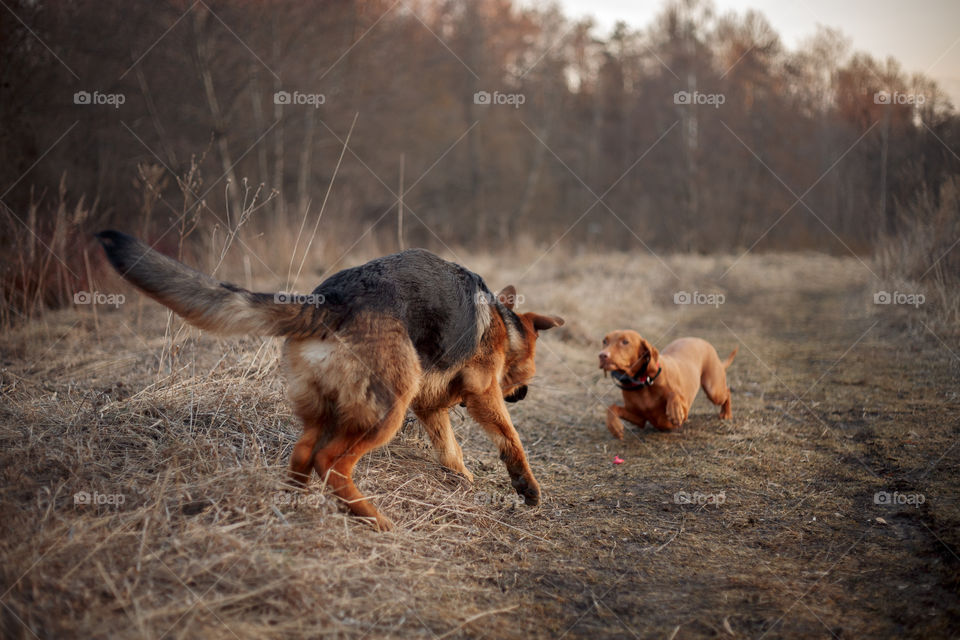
(659, 387)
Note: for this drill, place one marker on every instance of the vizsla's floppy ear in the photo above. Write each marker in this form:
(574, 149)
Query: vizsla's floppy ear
(542, 323)
(652, 364)
(508, 296)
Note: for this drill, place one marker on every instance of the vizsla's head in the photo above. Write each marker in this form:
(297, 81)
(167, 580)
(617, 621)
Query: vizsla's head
(627, 351)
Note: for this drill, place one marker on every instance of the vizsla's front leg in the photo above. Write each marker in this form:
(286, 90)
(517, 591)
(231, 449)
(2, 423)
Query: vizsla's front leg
(676, 410)
(490, 411)
(614, 424)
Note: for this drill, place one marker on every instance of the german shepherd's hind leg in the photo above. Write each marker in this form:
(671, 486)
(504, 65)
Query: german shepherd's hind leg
(437, 425)
(336, 460)
(490, 411)
(301, 462)
(334, 463)
(352, 391)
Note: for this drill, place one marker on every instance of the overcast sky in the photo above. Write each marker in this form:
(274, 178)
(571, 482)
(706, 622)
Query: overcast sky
(923, 35)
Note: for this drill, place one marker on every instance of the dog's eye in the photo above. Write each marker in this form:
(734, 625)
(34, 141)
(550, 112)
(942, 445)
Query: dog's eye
(624, 342)
(605, 341)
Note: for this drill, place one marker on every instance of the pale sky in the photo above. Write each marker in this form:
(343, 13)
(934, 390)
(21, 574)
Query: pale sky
(924, 35)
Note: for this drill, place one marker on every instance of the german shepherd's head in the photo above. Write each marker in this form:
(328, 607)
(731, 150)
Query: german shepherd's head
(523, 329)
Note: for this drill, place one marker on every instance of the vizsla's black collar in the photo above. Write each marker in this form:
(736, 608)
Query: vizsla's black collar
(628, 383)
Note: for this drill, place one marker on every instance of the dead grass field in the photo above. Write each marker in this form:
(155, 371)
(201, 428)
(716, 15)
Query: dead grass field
(834, 400)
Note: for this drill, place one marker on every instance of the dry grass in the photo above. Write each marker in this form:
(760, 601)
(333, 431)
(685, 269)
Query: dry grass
(45, 256)
(193, 432)
(921, 258)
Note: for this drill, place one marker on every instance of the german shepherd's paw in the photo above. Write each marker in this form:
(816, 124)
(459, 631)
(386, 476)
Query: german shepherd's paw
(528, 488)
(383, 523)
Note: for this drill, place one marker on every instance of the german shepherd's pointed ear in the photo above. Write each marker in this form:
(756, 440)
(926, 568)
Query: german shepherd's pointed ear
(542, 323)
(508, 296)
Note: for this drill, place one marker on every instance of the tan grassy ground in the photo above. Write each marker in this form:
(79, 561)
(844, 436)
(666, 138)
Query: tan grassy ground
(834, 399)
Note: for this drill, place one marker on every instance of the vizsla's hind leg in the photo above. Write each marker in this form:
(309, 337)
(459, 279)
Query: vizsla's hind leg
(714, 384)
(725, 411)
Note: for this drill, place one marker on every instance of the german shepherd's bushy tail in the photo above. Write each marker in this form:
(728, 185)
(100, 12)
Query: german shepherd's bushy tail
(202, 301)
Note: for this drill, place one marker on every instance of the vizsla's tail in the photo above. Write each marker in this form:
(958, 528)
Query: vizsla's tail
(729, 360)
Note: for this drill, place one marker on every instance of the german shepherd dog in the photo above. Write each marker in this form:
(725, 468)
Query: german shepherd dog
(406, 331)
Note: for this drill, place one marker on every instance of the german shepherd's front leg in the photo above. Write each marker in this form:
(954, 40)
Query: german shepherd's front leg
(490, 411)
(436, 422)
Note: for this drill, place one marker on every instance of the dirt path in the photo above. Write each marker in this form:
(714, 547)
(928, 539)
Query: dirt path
(833, 400)
(831, 405)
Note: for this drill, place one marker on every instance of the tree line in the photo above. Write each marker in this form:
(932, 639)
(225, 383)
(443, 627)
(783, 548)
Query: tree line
(495, 121)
